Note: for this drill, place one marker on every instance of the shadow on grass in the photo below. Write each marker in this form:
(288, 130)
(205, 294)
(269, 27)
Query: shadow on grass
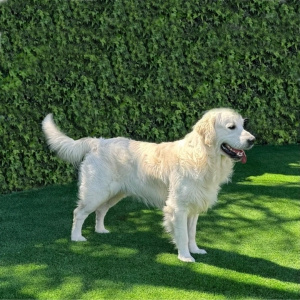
(250, 265)
(36, 233)
(137, 269)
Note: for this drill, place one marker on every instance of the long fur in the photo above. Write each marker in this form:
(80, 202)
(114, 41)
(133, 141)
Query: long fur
(66, 148)
(182, 177)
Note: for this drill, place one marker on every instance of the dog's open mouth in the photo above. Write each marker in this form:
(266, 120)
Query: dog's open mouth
(235, 154)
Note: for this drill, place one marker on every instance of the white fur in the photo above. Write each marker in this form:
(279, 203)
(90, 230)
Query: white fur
(182, 177)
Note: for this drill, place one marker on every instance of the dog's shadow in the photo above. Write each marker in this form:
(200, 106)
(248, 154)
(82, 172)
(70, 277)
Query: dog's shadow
(148, 245)
(133, 226)
(250, 265)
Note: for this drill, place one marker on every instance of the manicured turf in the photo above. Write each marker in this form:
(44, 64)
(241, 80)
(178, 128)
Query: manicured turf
(252, 238)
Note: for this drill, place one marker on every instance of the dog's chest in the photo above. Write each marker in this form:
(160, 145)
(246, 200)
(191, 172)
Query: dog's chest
(205, 191)
(220, 172)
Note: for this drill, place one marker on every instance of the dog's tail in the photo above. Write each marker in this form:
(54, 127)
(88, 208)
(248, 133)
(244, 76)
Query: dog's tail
(66, 148)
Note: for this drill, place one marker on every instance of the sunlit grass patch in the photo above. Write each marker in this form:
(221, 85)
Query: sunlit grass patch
(272, 180)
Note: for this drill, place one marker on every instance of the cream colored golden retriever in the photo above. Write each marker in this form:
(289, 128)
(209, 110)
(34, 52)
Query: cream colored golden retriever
(182, 177)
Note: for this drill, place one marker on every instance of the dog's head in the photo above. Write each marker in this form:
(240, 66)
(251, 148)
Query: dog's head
(223, 128)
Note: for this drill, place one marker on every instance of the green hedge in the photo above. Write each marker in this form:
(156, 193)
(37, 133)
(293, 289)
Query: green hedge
(141, 69)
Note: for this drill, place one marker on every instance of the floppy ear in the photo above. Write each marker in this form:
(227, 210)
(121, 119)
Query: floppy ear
(206, 128)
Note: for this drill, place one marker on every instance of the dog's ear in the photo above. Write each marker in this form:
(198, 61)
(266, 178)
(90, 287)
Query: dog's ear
(206, 128)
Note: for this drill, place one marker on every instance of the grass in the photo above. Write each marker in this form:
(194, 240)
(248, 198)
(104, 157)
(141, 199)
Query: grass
(251, 236)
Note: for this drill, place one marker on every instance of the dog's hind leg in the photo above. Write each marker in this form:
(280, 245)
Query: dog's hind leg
(80, 214)
(103, 209)
(88, 203)
(192, 227)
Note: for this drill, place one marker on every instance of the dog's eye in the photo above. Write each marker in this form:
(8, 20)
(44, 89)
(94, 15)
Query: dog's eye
(231, 127)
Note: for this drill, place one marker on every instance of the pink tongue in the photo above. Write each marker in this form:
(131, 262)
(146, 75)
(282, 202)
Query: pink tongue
(241, 154)
(243, 157)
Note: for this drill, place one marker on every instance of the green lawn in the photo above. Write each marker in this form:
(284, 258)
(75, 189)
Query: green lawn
(252, 237)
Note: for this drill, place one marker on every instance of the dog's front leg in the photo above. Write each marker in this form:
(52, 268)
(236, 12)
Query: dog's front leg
(181, 236)
(192, 228)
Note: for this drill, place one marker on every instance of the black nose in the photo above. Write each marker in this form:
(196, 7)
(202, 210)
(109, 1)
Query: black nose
(251, 141)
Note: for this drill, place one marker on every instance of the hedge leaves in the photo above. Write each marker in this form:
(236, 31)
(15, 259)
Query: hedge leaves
(141, 69)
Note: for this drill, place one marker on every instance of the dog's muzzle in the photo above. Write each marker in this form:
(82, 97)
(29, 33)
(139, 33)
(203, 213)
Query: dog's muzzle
(236, 154)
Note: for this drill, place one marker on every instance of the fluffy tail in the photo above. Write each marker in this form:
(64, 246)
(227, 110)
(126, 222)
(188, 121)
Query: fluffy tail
(65, 147)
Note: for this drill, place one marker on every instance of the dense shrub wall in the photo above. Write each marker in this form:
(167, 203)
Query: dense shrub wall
(141, 69)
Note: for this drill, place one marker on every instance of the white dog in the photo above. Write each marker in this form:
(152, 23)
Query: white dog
(182, 177)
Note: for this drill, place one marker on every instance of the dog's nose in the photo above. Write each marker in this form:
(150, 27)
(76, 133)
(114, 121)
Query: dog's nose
(251, 141)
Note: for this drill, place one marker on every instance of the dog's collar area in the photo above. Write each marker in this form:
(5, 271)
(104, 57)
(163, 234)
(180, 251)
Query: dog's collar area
(233, 153)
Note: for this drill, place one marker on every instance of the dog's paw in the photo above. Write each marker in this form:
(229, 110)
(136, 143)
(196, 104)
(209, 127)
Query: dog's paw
(198, 251)
(194, 249)
(102, 231)
(186, 258)
(78, 239)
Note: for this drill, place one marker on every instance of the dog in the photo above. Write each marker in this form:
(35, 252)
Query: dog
(182, 177)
